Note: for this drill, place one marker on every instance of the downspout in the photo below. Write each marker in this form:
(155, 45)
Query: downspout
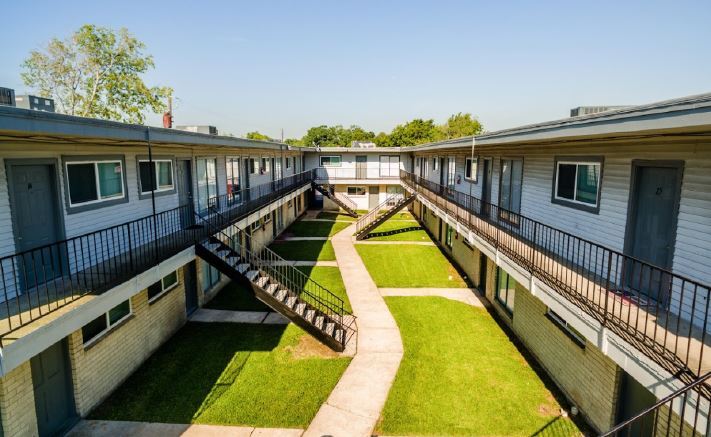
(476, 176)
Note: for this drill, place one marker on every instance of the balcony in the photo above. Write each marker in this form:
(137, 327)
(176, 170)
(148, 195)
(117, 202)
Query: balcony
(662, 314)
(53, 279)
(354, 175)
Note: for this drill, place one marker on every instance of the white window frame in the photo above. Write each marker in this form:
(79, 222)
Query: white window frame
(575, 185)
(267, 218)
(253, 165)
(163, 288)
(365, 190)
(473, 167)
(435, 163)
(109, 326)
(96, 179)
(158, 187)
(320, 160)
(287, 163)
(563, 324)
(266, 168)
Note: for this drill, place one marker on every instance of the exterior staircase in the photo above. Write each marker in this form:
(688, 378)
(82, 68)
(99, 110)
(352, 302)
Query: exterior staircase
(373, 219)
(339, 199)
(282, 287)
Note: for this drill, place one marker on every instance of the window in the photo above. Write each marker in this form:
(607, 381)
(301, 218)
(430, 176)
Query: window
(206, 182)
(102, 324)
(577, 183)
(435, 164)
(471, 169)
(266, 165)
(510, 189)
(233, 185)
(389, 166)
(277, 169)
(94, 181)
(168, 282)
(255, 225)
(160, 172)
(290, 203)
(448, 236)
(356, 191)
(505, 289)
(267, 219)
(571, 332)
(330, 161)
(252, 166)
(451, 171)
(288, 162)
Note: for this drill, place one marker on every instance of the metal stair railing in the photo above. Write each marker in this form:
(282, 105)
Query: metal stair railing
(662, 314)
(346, 201)
(660, 419)
(283, 272)
(366, 220)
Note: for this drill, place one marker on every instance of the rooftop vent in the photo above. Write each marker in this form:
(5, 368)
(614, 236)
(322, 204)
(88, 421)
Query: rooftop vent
(7, 96)
(200, 129)
(587, 110)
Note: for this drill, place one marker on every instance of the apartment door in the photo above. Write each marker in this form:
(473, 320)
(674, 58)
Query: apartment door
(245, 180)
(191, 296)
(36, 217)
(486, 185)
(634, 398)
(373, 196)
(54, 400)
(442, 171)
(651, 225)
(482, 273)
(185, 192)
(361, 166)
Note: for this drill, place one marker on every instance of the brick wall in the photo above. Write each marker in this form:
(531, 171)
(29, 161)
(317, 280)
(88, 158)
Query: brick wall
(102, 366)
(17, 402)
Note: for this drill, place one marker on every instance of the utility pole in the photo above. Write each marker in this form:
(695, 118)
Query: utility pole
(282, 135)
(168, 116)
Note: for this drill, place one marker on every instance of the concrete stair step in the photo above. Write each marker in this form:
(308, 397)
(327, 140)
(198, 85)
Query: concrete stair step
(309, 316)
(319, 322)
(262, 281)
(300, 309)
(252, 275)
(290, 301)
(329, 328)
(271, 288)
(243, 267)
(212, 247)
(281, 295)
(338, 335)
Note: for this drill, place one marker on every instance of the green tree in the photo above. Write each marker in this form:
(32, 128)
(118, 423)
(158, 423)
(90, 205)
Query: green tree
(96, 72)
(293, 142)
(335, 136)
(417, 131)
(257, 136)
(460, 125)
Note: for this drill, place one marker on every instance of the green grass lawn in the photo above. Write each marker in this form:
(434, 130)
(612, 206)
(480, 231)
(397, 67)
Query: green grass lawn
(304, 250)
(229, 374)
(402, 215)
(329, 278)
(236, 297)
(327, 215)
(399, 230)
(461, 375)
(315, 229)
(409, 266)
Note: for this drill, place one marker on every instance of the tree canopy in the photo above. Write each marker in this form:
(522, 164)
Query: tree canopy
(417, 131)
(256, 135)
(96, 72)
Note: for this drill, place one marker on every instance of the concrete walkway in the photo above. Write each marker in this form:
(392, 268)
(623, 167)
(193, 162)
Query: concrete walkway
(469, 296)
(354, 406)
(111, 428)
(414, 243)
(229, 316)
(327, 220)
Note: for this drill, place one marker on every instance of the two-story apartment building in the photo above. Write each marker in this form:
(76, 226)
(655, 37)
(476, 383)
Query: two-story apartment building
(98, 227)
(591, 237)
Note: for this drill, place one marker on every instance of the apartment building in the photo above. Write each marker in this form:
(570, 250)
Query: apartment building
(97, 251)
(588, 237)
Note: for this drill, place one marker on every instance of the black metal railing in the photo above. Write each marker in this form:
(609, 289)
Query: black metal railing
(663, 314)
(365, 221)
(683, 413)
(355, 173)
(36, 282)
(345, 200)
(280, 270)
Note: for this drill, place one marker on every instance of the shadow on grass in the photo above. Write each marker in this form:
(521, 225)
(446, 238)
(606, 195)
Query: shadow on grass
(236, 296)
(393, 232)
(557, 427)
(185, 375)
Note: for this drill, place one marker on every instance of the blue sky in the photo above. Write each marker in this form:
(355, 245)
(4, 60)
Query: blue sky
(268, 65)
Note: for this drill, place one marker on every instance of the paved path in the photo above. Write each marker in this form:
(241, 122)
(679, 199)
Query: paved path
(146, 429)
(229, 316)
(414, 243)
(354, 406)
(469, 296)
(327, 220)
(306, 263)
